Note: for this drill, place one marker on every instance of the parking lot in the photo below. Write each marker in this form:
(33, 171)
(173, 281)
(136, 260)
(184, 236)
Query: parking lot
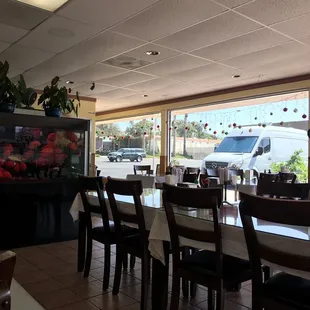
(121, 169)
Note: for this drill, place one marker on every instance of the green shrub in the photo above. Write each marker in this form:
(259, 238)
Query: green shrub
(295, 164)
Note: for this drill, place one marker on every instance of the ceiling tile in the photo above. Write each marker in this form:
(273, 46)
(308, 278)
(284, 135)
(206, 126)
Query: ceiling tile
(151, 85)
(241, 45)
(93, 73)
(269, 55)
(15, 72)
(306, 40)
(11, 34)
(140, 52)
(21, 57)
(126, 62)
(103, 13)
(116, 93)
(3, 46)
(22, 16)
(297, 27)
(84, 89)
(167, 17)
(232, 3)
(57, 34)
(272, 11)
(214, 30)
(126, 79)
(173, 65)
(202, 72)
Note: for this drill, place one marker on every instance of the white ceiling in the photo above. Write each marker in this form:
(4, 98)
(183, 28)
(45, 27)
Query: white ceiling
(202, 43)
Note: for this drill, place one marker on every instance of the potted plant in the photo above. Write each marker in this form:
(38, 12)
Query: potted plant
(9, 94)
(55, 100)
(28, 95)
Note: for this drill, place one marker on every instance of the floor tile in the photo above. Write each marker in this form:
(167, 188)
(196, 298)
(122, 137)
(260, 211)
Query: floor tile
(42, 286)
(70, 280)
(229, 305)
(55, 299)
(243, 297)
(31, 277)
(90, 289)
(112, 302)
(61, 269)
(81, 305)
(126, 281)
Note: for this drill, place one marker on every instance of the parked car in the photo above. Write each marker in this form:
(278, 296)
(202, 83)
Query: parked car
(257, 148)
(127, 153)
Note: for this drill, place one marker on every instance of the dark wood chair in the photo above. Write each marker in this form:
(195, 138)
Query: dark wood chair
(269, 177)
(214, 181)
(145, 170)
(281, 291)
(7, 265)
(104, 234)
(136, 245)
(283, 190)
(286, 177)
(191, 175)
(208, 268)
(238, 173)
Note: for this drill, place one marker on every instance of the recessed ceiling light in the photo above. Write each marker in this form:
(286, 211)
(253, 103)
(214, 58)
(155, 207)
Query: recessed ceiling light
(69, 82)
(49, 5)
(61, 33)
(152, 53)
(145, 95)
(236, 76)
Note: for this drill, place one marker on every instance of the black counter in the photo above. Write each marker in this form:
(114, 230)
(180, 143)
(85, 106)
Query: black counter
(36, 211)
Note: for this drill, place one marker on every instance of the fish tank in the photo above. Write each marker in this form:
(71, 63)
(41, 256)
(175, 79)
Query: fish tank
(38, 147)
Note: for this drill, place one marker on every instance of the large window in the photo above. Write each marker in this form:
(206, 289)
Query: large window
(265, 134)
(123, 143)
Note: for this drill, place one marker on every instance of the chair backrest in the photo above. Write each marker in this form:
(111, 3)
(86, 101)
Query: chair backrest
(191, 174)
(94, 184)
(237, 172)
(147, 180)
(286, 177)
(212, 172)
(284, 212)
(270, 177)
(200, 198)
(192, 170)
(146, 169)
(134, 190)
(283, 190)
(7, 265)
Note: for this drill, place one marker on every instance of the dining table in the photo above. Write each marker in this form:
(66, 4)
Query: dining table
(283, 237)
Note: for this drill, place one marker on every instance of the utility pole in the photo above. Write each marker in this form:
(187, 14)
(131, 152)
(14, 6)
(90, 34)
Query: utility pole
(185, 133)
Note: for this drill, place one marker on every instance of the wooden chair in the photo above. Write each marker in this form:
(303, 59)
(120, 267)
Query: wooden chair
(208, 268)
(104, 234)
(191, 174)
(269, 177)
(238, 173)
(281, 291)
(214, 182)
(7, 265)
(286, 177)
(145, 170)
(136, 245)
(283, 190)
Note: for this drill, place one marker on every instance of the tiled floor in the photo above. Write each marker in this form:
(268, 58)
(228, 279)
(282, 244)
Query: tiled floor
(48, 273)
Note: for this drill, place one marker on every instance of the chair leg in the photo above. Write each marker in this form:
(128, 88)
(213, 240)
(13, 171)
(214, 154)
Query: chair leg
(107, 264)
(220, 300)
(118, 270)
(89, 251)
(210, 299)
(132, 261)
(185, 283)
(125, 261)
(145, 282)
(175, 293)
(266, 272)
(193, 289)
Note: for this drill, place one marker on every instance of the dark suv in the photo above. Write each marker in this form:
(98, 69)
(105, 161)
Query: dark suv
(127, 153)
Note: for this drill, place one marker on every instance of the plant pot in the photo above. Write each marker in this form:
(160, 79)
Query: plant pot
(7, 107)
(52, 112)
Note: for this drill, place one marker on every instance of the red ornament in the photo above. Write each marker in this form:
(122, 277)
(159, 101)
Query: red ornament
(186, 128)
(109, 137)
(144, 133)
(114, 136)
(136, 133)
(128, 137)
(69, 90)
(102, 132)
(158, 126)
(170, 128)
(304, 116)
(206, 124)
(122, 138)
(285, 110)
(234, 125)
(214, 132)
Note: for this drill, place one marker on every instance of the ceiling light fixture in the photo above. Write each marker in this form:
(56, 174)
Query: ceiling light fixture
(152, 53)
(236, 76)
(50, 5)
(69, 82)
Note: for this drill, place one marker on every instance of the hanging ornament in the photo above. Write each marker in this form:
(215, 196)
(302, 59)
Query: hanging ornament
(128, 137)
(151, 128)
(281, 123)
(144, 133)
(234, 125)
(226, 133)
(170, 128)
(295, 110)
(221, 124)
(239, 126)
(285, 110)
(223, 131)
(158, 126)
(229, 126)
(200, 121)
(264, 125)
(136, 133)
(122, 138)
(152, 118)
(259, 124)
(114, 137)
(255, 118)
(271, 113)
(109, 137)
(103, 138)
(175, 127)
(69, 90)
(210, 129)
(186, 128)
(97, 132)
(102, 132)
(142, 127)
(206, 125)
(304, 116)
(250, 130)
(214, 132)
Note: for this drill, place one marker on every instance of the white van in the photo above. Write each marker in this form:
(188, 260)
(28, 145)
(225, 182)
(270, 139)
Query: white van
(257, 148)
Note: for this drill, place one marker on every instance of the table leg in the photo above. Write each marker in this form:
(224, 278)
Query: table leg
(160, 275)
(81, 242)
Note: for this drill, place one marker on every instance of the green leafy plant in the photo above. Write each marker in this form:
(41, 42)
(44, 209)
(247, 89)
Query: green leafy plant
(8, 91)
(54, 97)
(295, 164)
(28, 95)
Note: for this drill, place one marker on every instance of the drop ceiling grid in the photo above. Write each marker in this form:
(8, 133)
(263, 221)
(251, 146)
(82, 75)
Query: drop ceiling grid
(285, 29)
